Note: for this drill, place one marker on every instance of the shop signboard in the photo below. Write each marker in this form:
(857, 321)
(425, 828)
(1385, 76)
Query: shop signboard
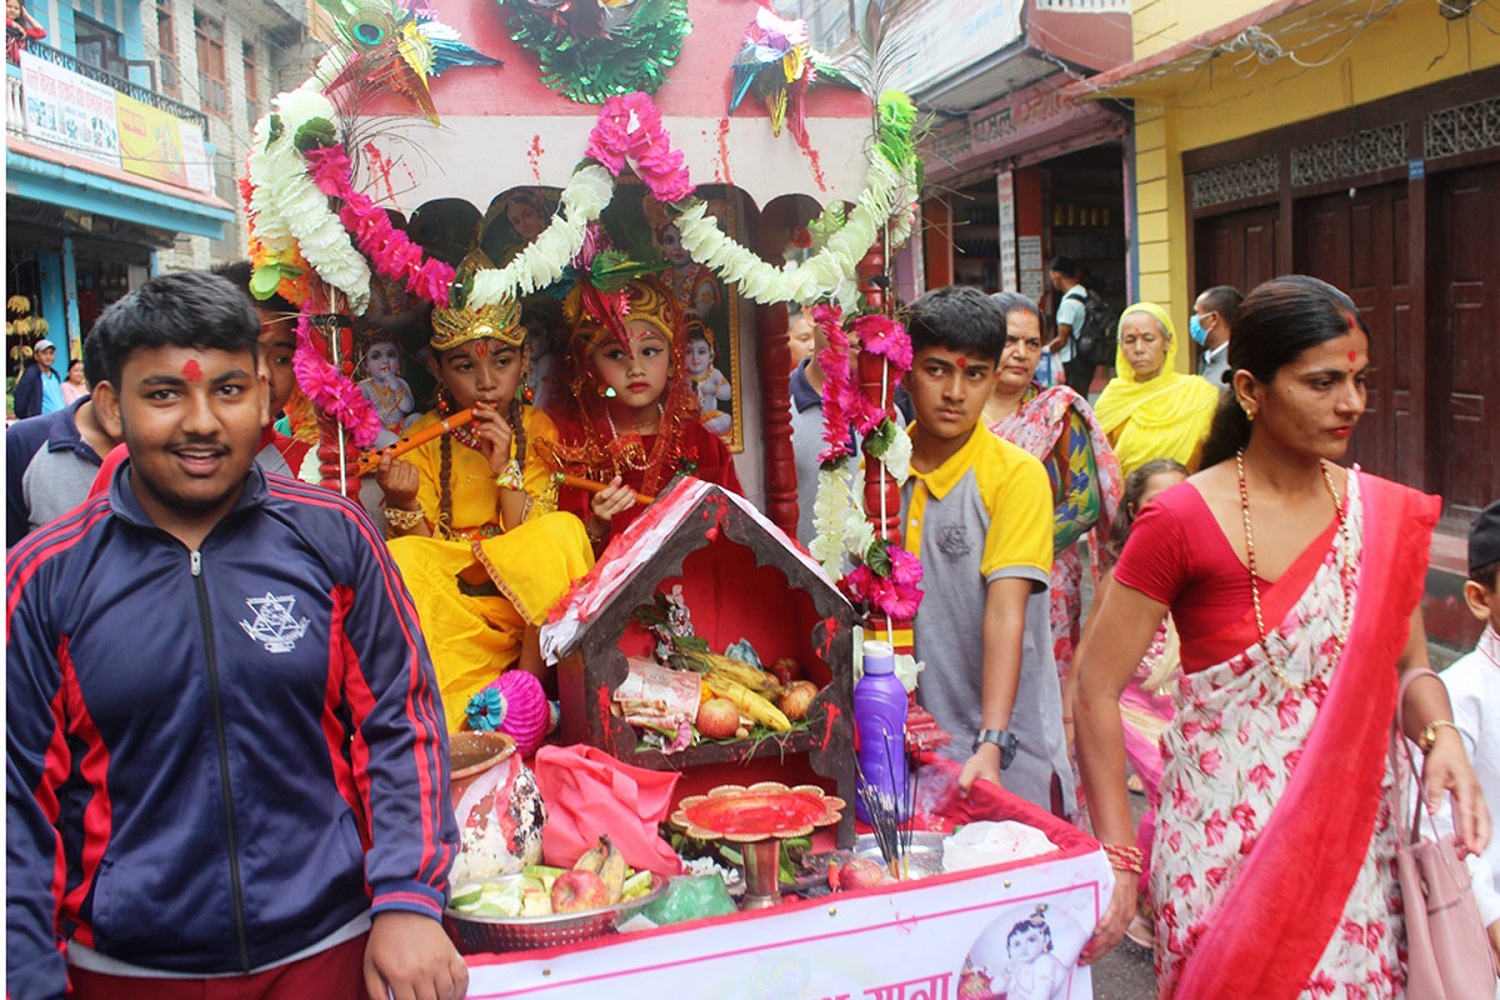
(1033, 281)
(150, 141)
(195, 158)
(962, 934)
(956, 35)
(68, 111)
(1021, 123)
(1005, 184)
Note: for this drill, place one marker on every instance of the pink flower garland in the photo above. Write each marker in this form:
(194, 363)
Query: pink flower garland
(896, 596)
(630, 130)
(848, 414)
(330, 391)
(390, 250)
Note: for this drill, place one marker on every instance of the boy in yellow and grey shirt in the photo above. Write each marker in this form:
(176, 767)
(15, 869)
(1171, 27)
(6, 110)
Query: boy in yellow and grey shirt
(977, 511)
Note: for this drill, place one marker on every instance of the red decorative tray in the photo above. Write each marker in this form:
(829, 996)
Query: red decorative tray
(762, 811)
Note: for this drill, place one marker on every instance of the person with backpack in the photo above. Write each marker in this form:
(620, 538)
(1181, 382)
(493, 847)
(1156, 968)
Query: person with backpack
(1080, 329)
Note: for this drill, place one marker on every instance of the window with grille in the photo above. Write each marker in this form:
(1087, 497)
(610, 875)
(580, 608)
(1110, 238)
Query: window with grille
(166, 45)
(98, 45)
(213, 86)
(252, 87)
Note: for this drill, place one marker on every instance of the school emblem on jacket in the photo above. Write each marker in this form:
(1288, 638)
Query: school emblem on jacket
(274, 627)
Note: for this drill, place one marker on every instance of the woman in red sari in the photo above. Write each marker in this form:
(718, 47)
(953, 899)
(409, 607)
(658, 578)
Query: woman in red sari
(632, 419)
(1294, 584)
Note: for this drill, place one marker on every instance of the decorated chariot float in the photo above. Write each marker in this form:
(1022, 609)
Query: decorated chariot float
(468, 153)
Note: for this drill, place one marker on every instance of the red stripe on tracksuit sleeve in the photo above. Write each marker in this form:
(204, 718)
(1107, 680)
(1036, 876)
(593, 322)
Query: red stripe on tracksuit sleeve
(98, 815)
(36, 548)
(55, 766)
(333, 727)
(421, 712)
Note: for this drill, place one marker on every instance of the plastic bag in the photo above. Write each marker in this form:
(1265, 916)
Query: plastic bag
(690, 897)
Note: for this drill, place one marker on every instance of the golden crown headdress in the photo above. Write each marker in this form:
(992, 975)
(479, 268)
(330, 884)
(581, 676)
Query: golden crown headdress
(458, 325)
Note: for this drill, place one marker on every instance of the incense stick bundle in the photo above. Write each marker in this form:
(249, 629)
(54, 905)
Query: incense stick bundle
(371, 461)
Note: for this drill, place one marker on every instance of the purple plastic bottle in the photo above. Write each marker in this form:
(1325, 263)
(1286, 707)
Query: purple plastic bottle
(880, 726)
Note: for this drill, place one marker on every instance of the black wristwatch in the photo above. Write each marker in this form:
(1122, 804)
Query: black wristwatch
(1008, 743)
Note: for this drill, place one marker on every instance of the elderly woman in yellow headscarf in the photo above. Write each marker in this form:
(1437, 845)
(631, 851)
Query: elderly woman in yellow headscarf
(473, 514)
(1149, 409)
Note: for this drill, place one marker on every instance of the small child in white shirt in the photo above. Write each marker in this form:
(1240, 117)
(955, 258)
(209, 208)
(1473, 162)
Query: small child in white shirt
(1473, 684)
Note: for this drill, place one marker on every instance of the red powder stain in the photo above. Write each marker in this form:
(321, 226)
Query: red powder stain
(722, 173)
(833, 713)
(604, 698)
(1352, 356)
(192, 372)
(817, 164)
(534, 156)
(380, 167)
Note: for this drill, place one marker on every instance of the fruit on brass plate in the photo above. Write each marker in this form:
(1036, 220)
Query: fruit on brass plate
(579, 889)
(718, 718)
(797, 699)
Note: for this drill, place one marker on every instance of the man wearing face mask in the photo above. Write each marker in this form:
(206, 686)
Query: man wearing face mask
(1213, 318)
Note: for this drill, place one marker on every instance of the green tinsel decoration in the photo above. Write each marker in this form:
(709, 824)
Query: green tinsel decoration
(635, 56)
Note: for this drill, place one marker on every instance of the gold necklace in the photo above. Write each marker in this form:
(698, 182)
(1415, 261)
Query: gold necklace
(1343, 543)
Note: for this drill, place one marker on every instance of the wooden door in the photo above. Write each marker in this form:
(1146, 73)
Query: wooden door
(1464, 376)
(1361, 245)
(1238, 249)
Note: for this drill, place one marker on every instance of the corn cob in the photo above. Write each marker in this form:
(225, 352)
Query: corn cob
(750, 703)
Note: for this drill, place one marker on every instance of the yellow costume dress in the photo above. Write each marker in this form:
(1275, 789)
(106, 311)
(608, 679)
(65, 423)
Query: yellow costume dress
(1165, 417)
(476, 586)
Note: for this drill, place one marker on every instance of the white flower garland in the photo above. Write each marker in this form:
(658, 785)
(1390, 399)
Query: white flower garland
(542, 262)
(839, 518)
(288, 205)
(827, 275)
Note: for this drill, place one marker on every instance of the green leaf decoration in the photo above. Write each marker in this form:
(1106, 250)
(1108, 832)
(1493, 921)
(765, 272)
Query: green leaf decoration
(878, 559)
(633, 55)
(264, 281)
(315, 133)
(274, 129)
(880, 439)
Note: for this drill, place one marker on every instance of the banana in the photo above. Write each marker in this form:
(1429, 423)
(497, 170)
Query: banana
(614, 870)
(729, 668)
(752, 704)
(593, 858)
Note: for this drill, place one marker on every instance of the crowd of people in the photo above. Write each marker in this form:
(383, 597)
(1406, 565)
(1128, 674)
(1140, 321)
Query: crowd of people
(1256, 620)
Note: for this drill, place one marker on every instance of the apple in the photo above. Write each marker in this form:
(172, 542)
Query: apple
(797, 699)
(861, 873)
(577, 889)
(718, 718)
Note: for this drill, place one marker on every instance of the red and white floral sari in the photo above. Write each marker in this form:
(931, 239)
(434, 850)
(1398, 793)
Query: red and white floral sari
(1272, 868)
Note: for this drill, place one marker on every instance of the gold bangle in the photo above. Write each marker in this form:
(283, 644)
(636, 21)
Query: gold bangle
(1428, 739)
(511, 478)
(401, 519)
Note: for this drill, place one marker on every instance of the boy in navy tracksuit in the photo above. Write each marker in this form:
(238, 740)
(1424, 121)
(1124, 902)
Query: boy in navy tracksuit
(225, 756)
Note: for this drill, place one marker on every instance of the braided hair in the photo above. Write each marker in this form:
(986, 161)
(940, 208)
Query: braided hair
(518, 428)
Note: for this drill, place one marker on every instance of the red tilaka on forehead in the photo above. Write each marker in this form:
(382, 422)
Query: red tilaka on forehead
(192, 372)
(962, 362)
(482, 348)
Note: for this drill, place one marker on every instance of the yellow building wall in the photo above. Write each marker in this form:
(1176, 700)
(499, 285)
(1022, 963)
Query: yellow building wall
(1235, 95)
